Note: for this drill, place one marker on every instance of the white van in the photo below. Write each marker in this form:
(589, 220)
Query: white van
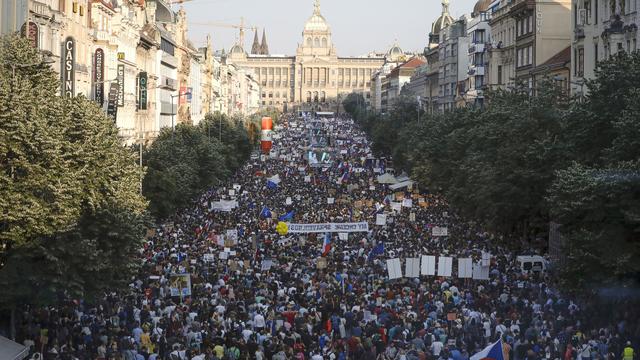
(532, 263)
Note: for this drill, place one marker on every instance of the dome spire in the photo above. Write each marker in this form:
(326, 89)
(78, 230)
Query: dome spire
(316, 7)
(445, 7)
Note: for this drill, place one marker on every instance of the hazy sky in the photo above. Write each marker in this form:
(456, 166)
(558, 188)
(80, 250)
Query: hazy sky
(358, 26)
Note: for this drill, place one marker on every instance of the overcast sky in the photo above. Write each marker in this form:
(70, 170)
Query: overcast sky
(358, 26)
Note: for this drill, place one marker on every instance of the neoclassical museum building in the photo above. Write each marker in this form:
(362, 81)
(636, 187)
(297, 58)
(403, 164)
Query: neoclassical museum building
(316, 77)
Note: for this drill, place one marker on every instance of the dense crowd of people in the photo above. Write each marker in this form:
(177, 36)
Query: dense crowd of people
(257, 294)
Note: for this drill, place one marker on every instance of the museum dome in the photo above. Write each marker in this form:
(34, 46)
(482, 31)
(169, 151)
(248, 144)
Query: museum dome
(443, 20)
(316, 22)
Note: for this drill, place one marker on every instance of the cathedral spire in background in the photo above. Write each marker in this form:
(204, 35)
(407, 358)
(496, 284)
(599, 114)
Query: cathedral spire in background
(255, 48)
(264, 48)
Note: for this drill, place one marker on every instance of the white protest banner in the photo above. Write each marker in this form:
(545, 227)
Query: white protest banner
(224, 205)
(372, 187)
(328, 227)
(393, 268)
(445, 266)
(439, 231)
(381, 219)
(480, 272)
(343, 151)
(465, 268)
(288, 201)
(208, 258)
(220, 239)
(407, 203)
(428, 266)
(343, 236)
(232, 192)
(412, 268)
(330, 201)
(396, 206)
(412, 217)
(307, 178)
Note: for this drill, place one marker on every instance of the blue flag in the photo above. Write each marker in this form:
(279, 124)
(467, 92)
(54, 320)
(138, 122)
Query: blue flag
(265, 212)
(271, 185)
(288, 216)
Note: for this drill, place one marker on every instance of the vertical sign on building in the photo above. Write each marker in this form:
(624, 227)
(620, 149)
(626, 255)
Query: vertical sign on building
(68, 67)
(120, 85)
(112, 104)
(98, 77)
(142, 91)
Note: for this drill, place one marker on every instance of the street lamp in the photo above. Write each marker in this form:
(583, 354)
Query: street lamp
(173, 112)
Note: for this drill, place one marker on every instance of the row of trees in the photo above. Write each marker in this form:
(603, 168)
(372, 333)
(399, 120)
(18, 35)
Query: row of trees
(527, 159)
(73, 215)
(183, 163)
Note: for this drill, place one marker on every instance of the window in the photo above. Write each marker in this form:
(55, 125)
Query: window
(316, 42)
(479, 36)
(595, 11)
(479, 81)
(587, 7)
(309, 42)
(499, 74)
(166, 46)
(324, 42)
(581, 62)
(595, 53)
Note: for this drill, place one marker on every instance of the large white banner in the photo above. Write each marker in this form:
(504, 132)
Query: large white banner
(381, 219)
(439, 231)
(480, 272)
(329, 227)
(393, 268)
(412, 268)
(224, 205)
(465, 268)
(428, 266)
(445, 265)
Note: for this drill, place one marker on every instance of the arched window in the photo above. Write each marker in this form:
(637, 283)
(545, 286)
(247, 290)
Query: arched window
(323, 97)
(324, 42)
(308, 96)
(315, 96)
(316, 42)
(308, 41)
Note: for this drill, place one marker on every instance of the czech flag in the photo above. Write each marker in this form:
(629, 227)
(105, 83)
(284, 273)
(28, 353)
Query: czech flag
(326, 244)
(288, 216)
(491, 352)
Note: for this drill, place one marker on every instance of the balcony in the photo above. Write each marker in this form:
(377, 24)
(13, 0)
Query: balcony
(169, 60)
(477, 47)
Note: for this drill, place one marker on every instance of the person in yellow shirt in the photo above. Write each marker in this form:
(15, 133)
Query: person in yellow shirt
(627, 353)
(219, 350)
(145, 340)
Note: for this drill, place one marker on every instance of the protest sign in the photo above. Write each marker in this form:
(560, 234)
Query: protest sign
(180, 284)
(343, 236)
(412, 217)
(412, 268)
(393, 268)
(480, 272)
(428, 265)
(407, 203)
(232, 236)
(288, 201)
(330, 200)
(445, 266)
(465, 268)
(266, 265)
(439, 231)
(381, 219)
(328, 227)
(396, 206)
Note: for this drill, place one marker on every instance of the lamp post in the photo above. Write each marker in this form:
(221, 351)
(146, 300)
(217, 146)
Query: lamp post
(173, 112)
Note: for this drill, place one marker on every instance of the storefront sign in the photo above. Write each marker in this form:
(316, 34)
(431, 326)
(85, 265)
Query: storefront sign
(98, 77)
(112, 104)
(120, 79)
(142, 91)
(68, 67)
(538, 21)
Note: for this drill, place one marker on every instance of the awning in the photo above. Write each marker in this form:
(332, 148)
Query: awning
(400, 185)
(11, 350)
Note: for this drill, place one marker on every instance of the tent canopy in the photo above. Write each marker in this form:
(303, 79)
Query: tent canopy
(400, 185)
(11, 350)
(386, 178)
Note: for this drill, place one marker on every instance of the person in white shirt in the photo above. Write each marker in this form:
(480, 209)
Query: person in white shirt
(436, 347)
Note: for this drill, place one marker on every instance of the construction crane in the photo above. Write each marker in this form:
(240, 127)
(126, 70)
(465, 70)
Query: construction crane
(240, 26)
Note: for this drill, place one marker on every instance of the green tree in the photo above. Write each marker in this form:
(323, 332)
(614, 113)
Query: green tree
(73, 215)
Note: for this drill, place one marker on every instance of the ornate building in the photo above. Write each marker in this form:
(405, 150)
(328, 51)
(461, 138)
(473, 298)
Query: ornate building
(315, 78)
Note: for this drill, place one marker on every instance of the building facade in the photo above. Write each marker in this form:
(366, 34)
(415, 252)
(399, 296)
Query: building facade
(502, 54)
(315, 77)
(479, 34)
(454, 63)
(601, 28)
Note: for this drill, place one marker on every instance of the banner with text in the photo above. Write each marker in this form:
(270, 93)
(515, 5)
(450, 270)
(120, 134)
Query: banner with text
(328, 227)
